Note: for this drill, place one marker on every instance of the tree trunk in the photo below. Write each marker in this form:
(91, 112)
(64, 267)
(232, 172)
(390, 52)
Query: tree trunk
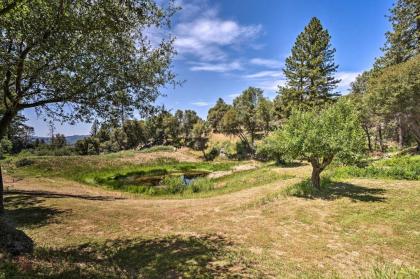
(366, 129)
(4, 124)
(401, 132)
(316, 178)
(317, 168)
(380, 139)
(204, 154)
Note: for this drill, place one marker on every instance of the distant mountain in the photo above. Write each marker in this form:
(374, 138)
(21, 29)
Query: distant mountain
(69, 139)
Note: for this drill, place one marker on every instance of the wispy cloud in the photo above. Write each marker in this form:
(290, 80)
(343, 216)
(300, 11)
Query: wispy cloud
(268, 63)
(202, 33)
(233, 96)
(271, 85)
(216, 67)
(200, 104)
(264, 74)
(346, 79)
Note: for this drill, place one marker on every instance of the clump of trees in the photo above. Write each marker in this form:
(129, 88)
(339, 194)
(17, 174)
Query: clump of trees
(161, 128)
(249, 118)
(388, 94)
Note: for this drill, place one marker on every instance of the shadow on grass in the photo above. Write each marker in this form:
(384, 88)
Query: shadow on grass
(46, 194)
(354, 192)
(27, 211)
(171, 257)
(13, 242)
(331, 190)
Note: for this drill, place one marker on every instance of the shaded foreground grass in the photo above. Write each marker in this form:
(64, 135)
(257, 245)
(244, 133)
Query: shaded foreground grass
(336, 236)
(354, 228)
(206, 256)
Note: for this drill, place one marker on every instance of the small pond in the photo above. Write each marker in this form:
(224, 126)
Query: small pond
(156, 178)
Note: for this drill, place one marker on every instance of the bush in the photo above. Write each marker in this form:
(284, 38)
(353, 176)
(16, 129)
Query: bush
(212, 153)
(174, 184)
(242, 150)
(23, 162)
(201, 184)
(226, 148)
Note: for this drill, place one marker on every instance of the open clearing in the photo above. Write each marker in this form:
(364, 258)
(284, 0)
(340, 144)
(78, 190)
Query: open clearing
(364, 228)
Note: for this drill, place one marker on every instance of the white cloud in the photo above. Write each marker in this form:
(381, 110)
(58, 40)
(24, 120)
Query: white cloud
(200, 104)
(264, 74)
(205, 35)
(270, 85)
(216, 67)
(346, 79)
(269, 63)
(233, 96)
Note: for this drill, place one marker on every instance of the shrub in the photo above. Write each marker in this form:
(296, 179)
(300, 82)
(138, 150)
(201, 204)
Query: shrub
(23, 162)
(212, 153)
(174, 184)
(201, 184)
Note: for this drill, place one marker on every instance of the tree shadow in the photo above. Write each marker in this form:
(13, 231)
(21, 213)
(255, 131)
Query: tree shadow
(171, 257)
(13, 242)
(27, 211)
(331, 190)
(354, 192)
(46, 194)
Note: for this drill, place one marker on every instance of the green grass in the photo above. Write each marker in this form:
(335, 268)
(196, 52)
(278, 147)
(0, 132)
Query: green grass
(400, 167)
(158, 148)
(203, 187)
(101, 171)
(304, 189)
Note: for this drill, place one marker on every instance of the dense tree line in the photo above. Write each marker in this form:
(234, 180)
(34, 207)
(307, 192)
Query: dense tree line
(162, 128)
(388, 94)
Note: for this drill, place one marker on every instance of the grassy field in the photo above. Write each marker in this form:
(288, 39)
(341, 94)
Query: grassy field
(254, 223)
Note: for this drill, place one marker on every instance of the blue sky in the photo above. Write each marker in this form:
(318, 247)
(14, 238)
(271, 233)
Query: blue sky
(224, 46)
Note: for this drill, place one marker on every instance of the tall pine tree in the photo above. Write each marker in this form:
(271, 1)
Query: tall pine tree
(309, 71)
(403, 42)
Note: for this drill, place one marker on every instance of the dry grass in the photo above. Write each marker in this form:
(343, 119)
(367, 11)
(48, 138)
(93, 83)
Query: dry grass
(343, 235)
(217, 138)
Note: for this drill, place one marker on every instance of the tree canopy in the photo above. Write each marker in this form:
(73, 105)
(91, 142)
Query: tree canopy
(395, 90)
(71, 58)
(319, 137)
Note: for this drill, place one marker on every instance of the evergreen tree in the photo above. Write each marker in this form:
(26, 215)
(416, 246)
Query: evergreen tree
(403, 42)
(309, 70)
(216, 114)
(246, 106)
